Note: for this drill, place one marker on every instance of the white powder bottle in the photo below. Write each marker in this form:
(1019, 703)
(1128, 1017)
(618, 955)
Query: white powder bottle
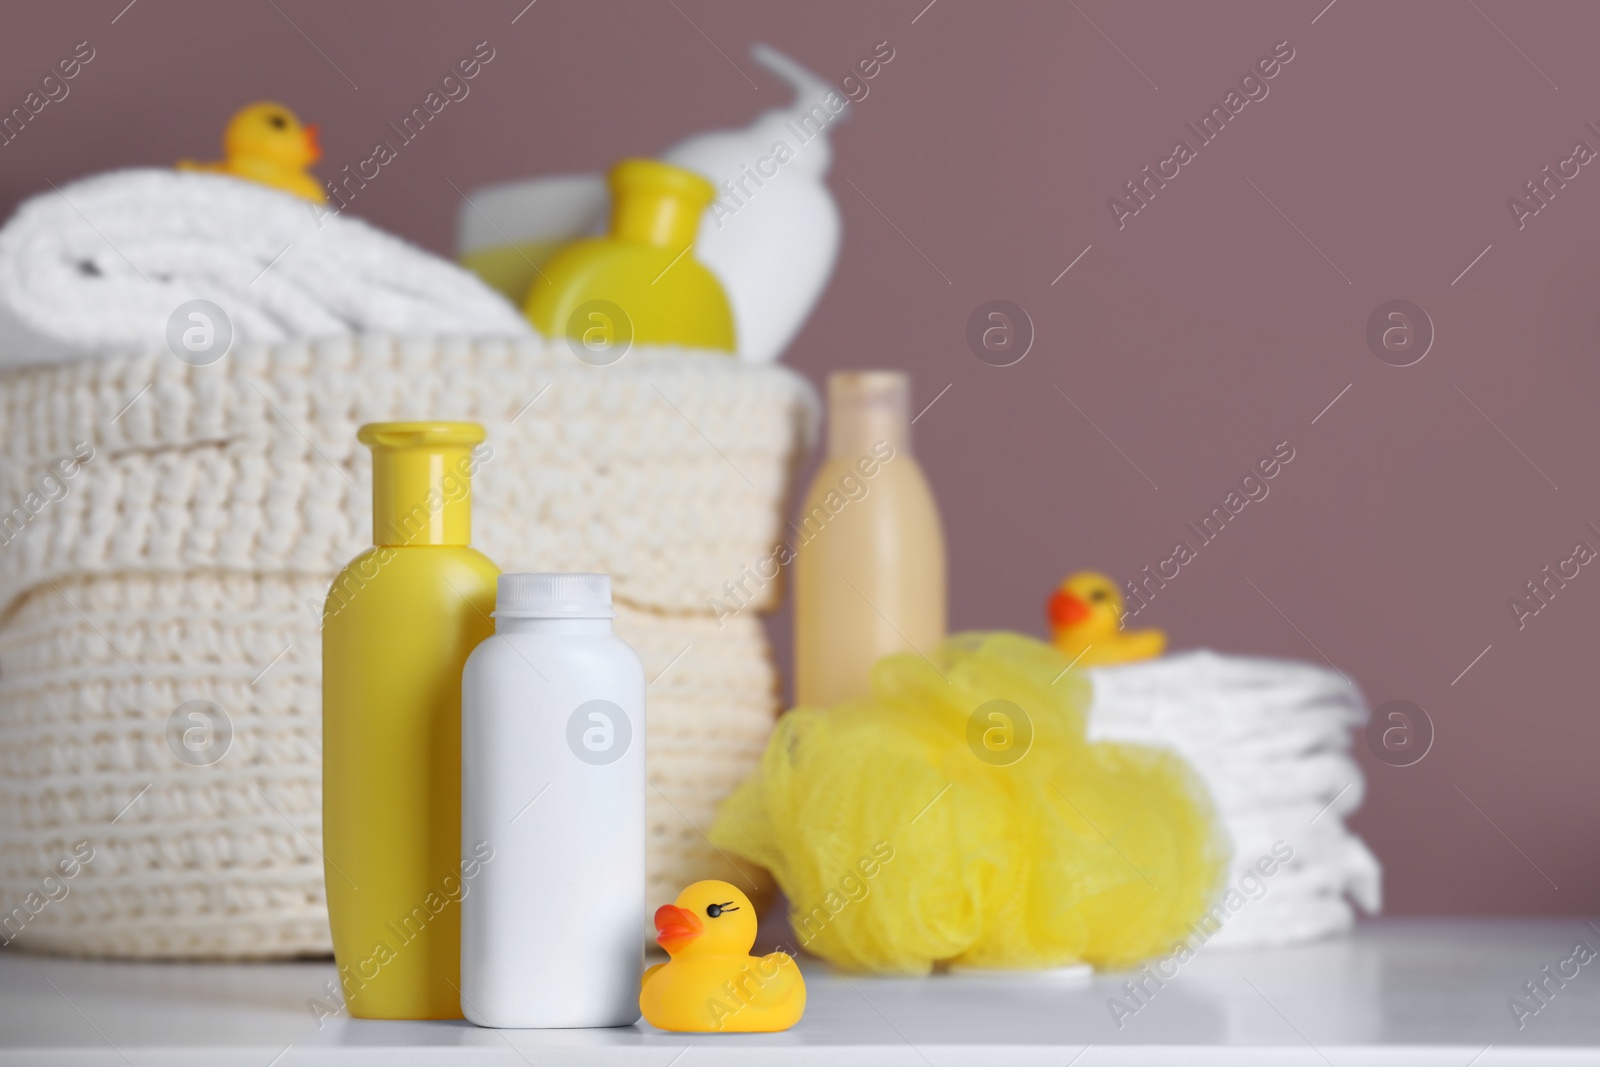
(552, 778)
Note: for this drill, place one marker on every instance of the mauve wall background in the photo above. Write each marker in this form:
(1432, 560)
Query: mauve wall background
(1197, 337)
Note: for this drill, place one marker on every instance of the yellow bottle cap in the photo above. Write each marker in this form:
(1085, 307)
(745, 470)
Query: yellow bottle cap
(422, 481)
(656, 203)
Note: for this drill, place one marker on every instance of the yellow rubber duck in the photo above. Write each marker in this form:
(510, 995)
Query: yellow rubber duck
(265, 143)
(712, 983)
(1086, 620)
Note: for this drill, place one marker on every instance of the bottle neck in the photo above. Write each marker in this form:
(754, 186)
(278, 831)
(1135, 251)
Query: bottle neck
(657, 204)
(654, 218)
(865, 409)
(575, 627)
(422, 496)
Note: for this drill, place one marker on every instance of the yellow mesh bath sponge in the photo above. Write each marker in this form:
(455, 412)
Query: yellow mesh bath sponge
(960, 814)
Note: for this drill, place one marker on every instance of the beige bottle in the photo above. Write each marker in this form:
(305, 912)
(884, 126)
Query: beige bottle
(869, 566)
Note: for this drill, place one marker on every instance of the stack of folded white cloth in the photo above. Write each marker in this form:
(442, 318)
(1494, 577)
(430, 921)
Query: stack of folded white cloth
(99, 266)
(1271, 739)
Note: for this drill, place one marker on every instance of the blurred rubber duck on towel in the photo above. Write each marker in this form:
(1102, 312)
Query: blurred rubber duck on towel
(711, 982)
(266, 143)
(1086, 622)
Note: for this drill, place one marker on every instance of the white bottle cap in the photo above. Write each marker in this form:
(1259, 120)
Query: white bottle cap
(554, 596)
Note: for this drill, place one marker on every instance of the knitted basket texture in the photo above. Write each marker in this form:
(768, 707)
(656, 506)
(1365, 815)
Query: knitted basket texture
(183, 565)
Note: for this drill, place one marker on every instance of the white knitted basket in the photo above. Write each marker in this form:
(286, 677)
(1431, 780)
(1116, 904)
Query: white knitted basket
(186, 559)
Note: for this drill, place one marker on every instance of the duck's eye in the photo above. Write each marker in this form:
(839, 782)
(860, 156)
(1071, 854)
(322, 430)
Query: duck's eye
(278, 122)
(1098, 594)
(715, 910)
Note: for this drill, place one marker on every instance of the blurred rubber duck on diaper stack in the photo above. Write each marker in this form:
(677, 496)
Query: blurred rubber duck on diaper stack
(712, 983)
(1086, 620)
(266, 143)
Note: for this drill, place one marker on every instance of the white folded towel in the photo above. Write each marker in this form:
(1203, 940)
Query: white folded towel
(100, 265)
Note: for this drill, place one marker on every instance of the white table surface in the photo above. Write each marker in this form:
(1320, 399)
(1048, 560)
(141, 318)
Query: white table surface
(1397, 992)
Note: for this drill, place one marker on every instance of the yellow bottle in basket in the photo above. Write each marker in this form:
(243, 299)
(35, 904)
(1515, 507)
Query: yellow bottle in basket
(397, 628)
(640, 283)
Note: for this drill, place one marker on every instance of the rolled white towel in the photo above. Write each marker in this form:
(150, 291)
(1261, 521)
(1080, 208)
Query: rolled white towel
(99, 266)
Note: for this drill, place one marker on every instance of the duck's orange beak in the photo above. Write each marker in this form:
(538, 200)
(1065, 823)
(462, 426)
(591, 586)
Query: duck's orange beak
(312, 142)
(676, 927)
(1066, 609)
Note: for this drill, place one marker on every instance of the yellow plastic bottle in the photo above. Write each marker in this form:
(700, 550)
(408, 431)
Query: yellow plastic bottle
(645, 267)
(869, 549)
(398, 625)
